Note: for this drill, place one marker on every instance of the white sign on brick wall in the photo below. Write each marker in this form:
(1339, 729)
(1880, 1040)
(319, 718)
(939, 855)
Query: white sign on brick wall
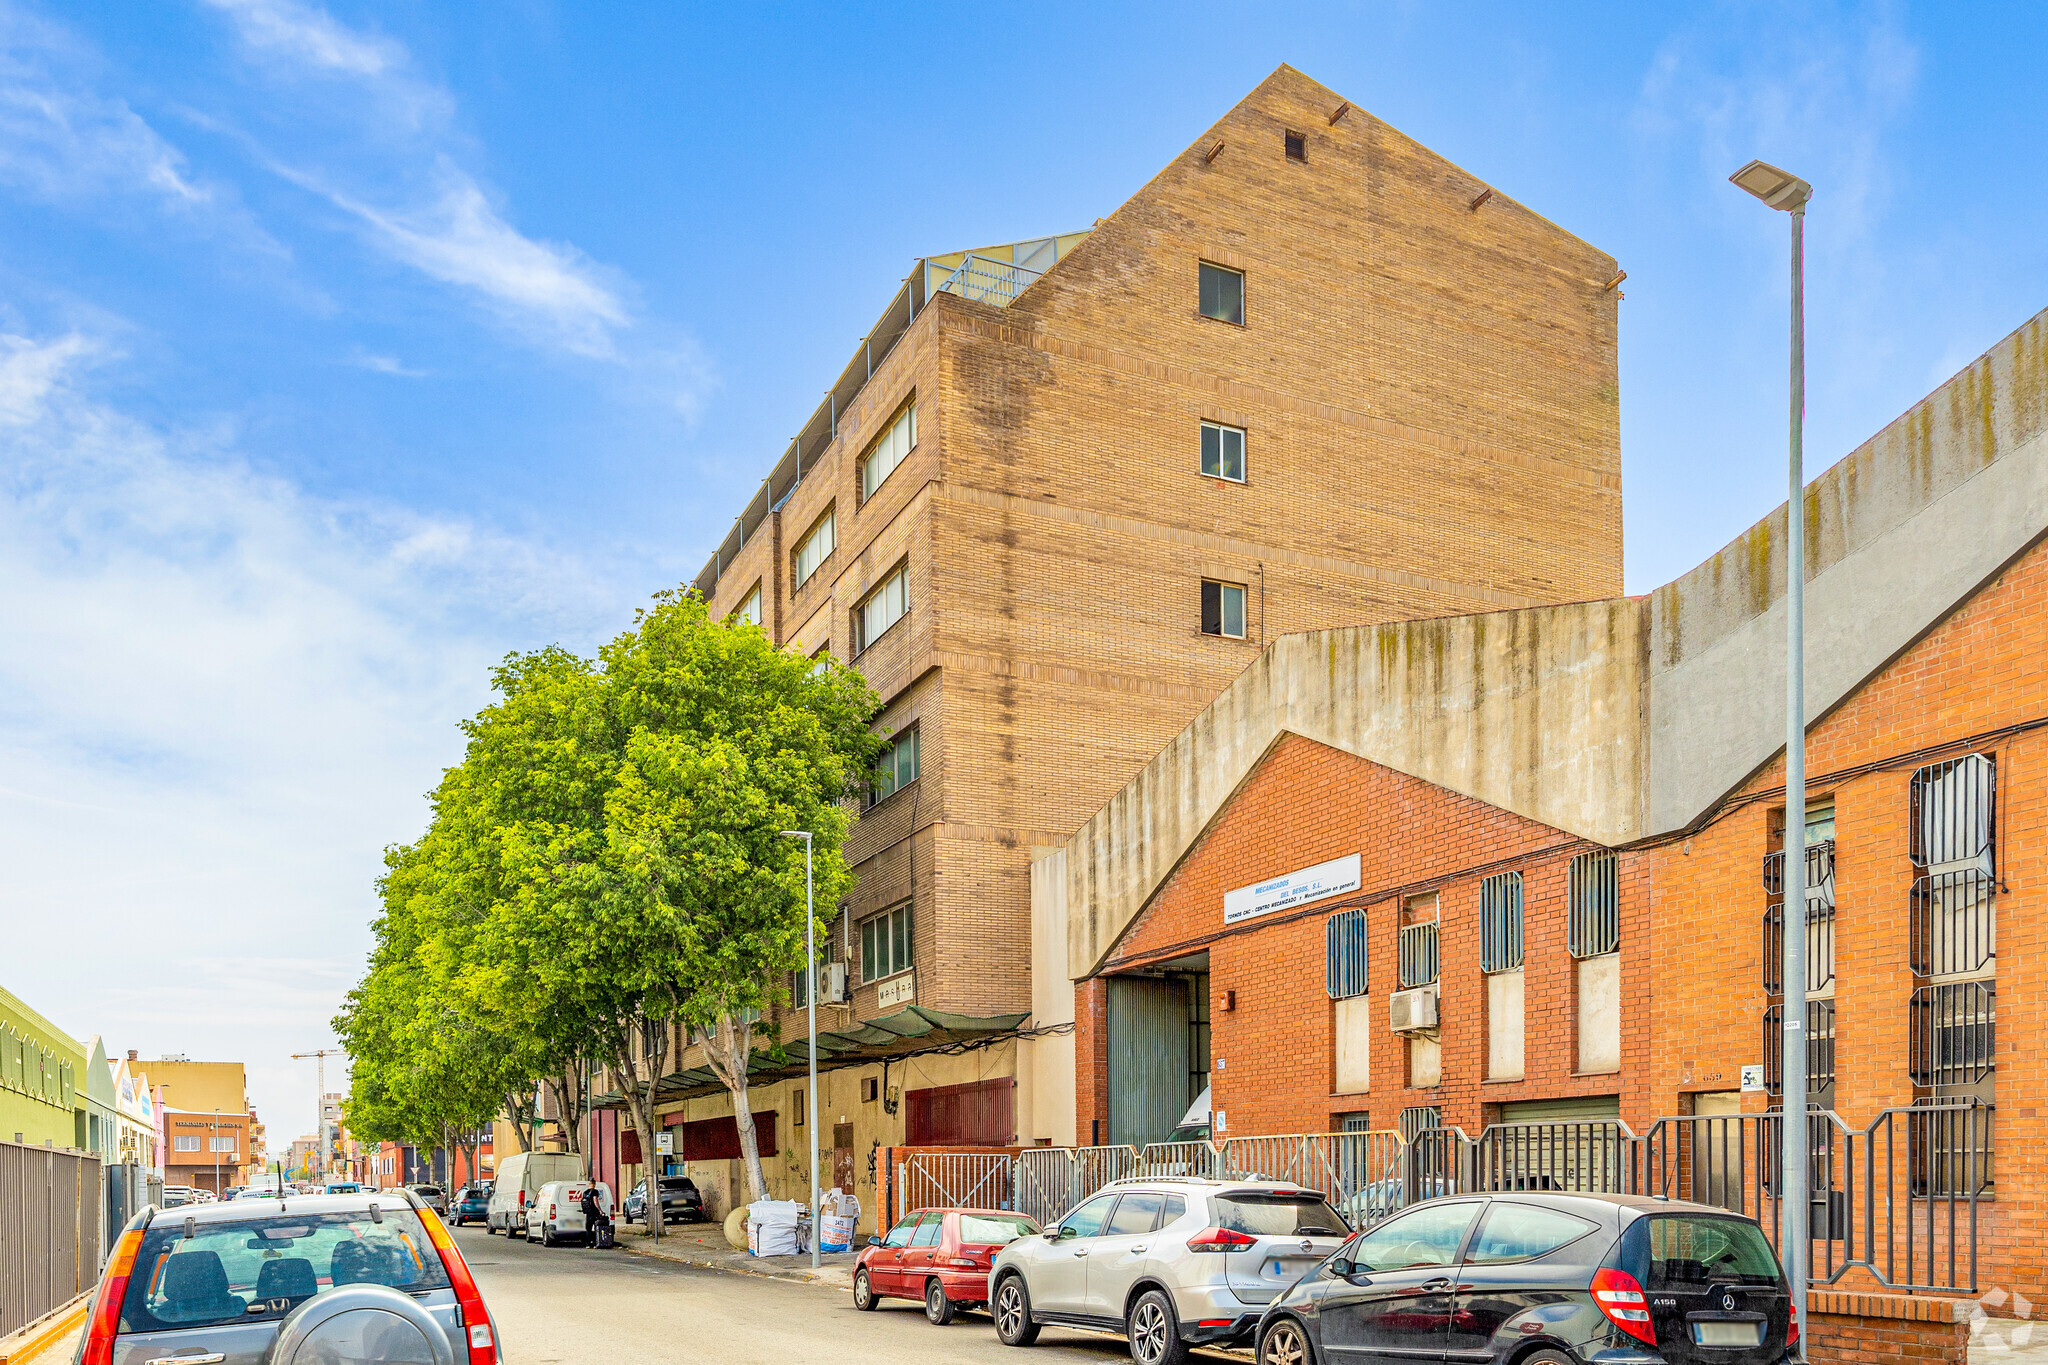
(1320, 882)
(897, 990)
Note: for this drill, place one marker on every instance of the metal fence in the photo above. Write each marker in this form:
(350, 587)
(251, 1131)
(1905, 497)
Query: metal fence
(51, 1211)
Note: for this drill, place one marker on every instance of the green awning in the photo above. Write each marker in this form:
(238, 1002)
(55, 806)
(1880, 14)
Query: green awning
(914, 1029)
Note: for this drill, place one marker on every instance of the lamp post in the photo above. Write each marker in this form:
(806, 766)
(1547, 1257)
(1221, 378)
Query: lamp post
(1787, 193)
(811, 1050)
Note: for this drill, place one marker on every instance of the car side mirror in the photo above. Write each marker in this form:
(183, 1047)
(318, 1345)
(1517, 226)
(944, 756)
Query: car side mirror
(1056, 1234)
(1341, 1268)
(874, 1241)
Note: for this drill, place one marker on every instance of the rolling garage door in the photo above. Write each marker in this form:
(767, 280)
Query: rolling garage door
(1148, 1058)
(1583, 1108)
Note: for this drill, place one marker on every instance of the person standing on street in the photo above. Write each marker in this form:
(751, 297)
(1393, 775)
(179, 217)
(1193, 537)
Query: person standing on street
(593, 1216)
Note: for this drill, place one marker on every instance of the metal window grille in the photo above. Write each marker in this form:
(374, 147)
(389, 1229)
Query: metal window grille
(1949, 1151)
(1953, 807)
(1344, 954)
(1820, 918)
(1820, 1047)
(1954, 1033)
(1420, 1119)
(1500, 922)
(1418, 954)
(1593, 928)
(1955, 928)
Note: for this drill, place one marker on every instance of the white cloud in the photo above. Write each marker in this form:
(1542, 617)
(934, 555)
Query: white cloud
(385, 364)
(220, 699)
(396, 171)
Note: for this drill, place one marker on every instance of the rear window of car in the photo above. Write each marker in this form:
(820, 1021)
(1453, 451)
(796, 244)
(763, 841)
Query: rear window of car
(259, 1269)
(428, 1190)
(1688, 1250)
(1269, 1215)
(674, 1183)
(993, 1230)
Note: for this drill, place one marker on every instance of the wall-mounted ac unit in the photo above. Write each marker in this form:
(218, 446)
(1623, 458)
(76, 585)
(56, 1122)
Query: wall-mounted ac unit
(832, 983)
(1412, 1011)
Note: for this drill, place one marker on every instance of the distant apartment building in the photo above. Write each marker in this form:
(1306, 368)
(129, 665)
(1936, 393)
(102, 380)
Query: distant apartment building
(1067, 489)
(205, 1150)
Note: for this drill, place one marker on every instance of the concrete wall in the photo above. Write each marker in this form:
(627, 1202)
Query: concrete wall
(1045, 1065)
(1536, 712)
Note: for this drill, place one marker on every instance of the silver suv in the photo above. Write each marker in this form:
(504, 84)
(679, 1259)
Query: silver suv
(1171, 1263)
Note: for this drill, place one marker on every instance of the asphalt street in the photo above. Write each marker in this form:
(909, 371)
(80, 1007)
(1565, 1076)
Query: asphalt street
(568, 1306)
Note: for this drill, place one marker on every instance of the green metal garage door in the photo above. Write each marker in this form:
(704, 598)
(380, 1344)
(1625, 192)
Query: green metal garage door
(1580, 1109)
(1148, 1058)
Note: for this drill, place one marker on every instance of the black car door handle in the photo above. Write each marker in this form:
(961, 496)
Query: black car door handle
(1435, 1284)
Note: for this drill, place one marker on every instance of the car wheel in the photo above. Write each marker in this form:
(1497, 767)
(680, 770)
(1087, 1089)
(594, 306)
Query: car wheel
(1014, 1326)
(547, 1235)
(1285, 1344)
(938, 1309)
(1155, 1331)
(864, 1296)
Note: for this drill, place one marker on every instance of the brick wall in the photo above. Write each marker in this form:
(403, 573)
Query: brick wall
(1886, 1329)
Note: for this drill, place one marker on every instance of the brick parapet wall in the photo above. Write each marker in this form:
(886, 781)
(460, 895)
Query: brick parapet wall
(1883, 1329)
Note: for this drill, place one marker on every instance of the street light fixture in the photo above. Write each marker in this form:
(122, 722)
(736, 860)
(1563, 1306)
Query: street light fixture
(1787, 193)
(811, 1012)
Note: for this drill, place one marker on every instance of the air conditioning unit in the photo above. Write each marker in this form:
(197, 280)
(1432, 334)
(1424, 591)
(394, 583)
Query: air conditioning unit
(832, 984)
(1412, 1011)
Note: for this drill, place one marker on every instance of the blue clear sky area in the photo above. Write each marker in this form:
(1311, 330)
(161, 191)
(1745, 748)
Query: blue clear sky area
(345, 348)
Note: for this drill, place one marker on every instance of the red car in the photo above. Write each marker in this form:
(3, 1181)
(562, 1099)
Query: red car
(939, 1255)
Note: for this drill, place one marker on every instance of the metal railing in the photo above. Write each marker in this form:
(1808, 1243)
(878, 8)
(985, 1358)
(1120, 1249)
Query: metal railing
(968, 1180)
(51, 1213)
(987, 280)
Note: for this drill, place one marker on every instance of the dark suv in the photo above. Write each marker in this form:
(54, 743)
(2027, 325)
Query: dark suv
(1578, 1276)
(680, 1201)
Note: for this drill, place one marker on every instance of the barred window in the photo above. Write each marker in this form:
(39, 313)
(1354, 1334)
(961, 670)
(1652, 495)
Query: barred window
(1344, 954)
(1500, 923)
(1820, 1047)
(1954, 1035)
(1418, 946)
(1593, 928)
(1953, 912)
(1820, 917)
(1953, 806)
(1420, 1119)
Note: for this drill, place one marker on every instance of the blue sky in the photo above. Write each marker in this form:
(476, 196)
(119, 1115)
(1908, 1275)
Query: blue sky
(343, 349)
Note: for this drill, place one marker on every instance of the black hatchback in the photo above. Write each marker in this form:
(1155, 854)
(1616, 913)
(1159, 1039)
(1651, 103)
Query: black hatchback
(1581, 1277)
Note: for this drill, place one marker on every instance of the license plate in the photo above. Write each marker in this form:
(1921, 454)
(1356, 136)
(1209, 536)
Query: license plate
(1728, 1333)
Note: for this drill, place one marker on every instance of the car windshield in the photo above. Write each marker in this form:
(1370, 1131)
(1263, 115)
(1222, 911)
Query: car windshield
(428, 1190)
(994, 1229)
(259, 1269)
(1278, 1215)
(1688, 1250)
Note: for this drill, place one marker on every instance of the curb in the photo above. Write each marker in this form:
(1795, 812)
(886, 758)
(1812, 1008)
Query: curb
(59, 1322)
(791, 1276)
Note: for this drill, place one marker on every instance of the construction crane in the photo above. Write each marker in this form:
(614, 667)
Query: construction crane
(320, 1106)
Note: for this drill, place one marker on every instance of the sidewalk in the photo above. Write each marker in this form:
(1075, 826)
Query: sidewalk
(704, 1244)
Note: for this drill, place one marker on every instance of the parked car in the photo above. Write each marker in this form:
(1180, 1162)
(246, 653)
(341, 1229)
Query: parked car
(1577, 1276)
(341, 1187)
(680, 1201)
(228, 1281)
(176, 1196)
(941, 1256)
(472, 1201)
(433, 1196)
(1193, 1125)
(1170, 1263)
(520, 1177)
(558, 1212)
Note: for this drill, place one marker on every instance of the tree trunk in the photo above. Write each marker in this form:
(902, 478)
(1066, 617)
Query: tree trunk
(515, 1115)
(640, 1102)
(729, 1049)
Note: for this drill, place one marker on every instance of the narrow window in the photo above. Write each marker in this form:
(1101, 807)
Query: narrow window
(1223, 609)
(888, 451)
(1297, 146)
(881, 609)
(1344, 959)
(897, 768)
(816, 547)
(885, 944)
(1222, 293)
(1420, 1118)
(1223, 452)
(1500, 923)
(750, 610)
(821, 659)
(1594, 925)
(1418, 947)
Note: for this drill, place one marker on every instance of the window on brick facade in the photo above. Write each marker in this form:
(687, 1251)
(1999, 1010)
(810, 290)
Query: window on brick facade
(1820, 1051)
(224, 1144)
(821, 658)
(1223, 609)
(888, 451)
(1417, 946)
(185, 1144)
(1954, 923)
(897, 767)
(885, 943)
(1500, 923)
(816, 547)
(1593, 928)
(1344, 955)
(1222, 291)
(1223, 451)
(1420, 1118)
(749, 610)
(881, 609)
(1297, 146)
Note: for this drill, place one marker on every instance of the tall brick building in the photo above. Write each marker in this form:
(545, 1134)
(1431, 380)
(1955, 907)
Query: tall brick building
(1069, 488)
(1561, 825)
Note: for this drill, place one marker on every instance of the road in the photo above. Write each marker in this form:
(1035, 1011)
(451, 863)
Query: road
(567, 1306)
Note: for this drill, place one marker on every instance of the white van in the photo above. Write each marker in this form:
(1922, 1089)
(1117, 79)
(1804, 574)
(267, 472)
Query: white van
(558, 1210)
(520, 1177)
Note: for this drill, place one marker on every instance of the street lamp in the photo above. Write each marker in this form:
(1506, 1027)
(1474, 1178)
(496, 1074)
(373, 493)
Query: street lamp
(811, 1011)
(1787, 193)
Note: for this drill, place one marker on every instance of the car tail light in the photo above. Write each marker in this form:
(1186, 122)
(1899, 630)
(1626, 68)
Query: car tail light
(106, 1309)
(1620, 1296)
(522, 1199)
(965, 1262)
(1792, 1325)
(476, 1319)
(1220, 1239)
